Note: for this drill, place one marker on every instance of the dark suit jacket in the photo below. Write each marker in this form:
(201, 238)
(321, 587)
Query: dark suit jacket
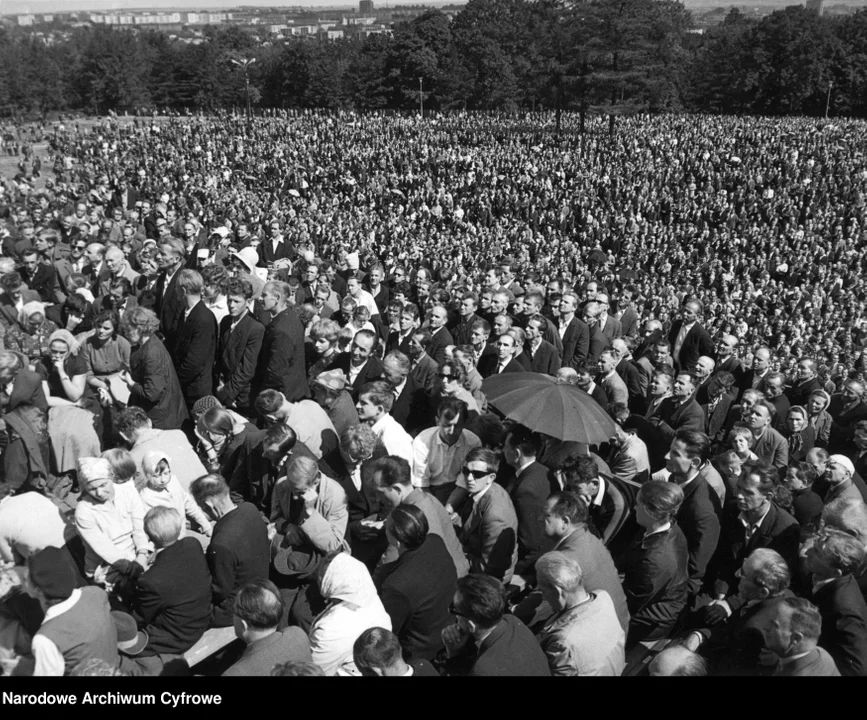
(841, 428)
(237, 356)
(490, 534)
(576, 343)
(610, 516)
(631, 376)
(157, 390)
(43, 281)
(393, 342)
(260, 657)
(7, 307)
(512, 366)
(715, 420)
(125, 203)
(425, 372)
(169, 308)
(779, 531)
(381, 299)
(800, 393)
(598, 342)
(371, 371)
(545, 361)
(173, 598)
(612, 330)
(844, 624)
(412, 408)
(673, 417)
(281, 359)
(267, 254)
(734, 366)
(239, 553)
(462, 332)
(416, 591)
(699, 519)
(439, 341)
(195, 351)
(510, 650)
(529, 491)
(696, 343)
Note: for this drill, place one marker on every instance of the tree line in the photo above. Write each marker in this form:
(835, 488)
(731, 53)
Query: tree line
(612, 57)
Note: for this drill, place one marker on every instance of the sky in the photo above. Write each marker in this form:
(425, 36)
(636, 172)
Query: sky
(43, 6)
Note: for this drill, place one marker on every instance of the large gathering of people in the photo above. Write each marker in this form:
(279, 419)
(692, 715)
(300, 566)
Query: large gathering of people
(244, 384)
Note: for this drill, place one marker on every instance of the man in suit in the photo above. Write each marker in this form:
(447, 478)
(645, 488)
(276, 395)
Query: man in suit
(609, 326)
(628, 460)
(125, 197)
(606, 505)
(626, 312)
(169, 306)
(584, 380)
(378, 290)
(636, 381)
(699, 514)
(463, 329)
(118, 267)
(704, 368)
(846, 408)
(807, 382)
(680, 411)
(726, 361)
(598, 342)
(408, 322)
(423, 369)
(489, 531)
(795, 628)
(275, 247)
(832, 560)
(768, 444)
(241, 337)
(689, 340)
(281, 360)
(528, 490)
(507, 348)
(411, 407)
(173, 596)
(440, 337)
(503, 645)
(774, 389)
(378, 653)
(542, 354)
(39, 277)
(96, 271)
(754, 378)
(574, 333)
(197, 340)
(14, 297)
(239, 551)
(752, 522)
(609, 380)
(258, 612)
(718, 404)
(359, 364)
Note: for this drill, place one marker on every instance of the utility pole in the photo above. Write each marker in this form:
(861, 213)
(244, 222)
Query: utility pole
(245, 63)
(421, 96)
(828, 101)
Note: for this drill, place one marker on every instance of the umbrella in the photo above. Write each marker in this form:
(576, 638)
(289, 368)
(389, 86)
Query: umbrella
(542, 404)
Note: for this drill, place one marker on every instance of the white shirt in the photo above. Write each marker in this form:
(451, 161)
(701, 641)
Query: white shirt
(220, 307)
(437, 463)
(563, 326)
(366, 299)
(394, 438)
(353, 371)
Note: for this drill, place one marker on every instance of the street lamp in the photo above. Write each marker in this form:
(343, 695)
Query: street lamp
(246, 63)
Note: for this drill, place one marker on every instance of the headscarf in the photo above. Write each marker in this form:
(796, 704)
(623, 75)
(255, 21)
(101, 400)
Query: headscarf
(824, 395)
(151, 461)
(29, 310)
(66, 337)
(348, 580)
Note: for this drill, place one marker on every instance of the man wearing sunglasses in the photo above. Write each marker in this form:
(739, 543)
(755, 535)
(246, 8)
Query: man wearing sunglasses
(489, 531)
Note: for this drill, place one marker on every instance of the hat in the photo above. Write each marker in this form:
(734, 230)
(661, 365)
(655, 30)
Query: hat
(293, 561)
(331, 379)
(352, 261)
(130, 640)
(51, 571)
(93, 468)
(202, 405)
(221, 231)
(844, 462)
(248, 256)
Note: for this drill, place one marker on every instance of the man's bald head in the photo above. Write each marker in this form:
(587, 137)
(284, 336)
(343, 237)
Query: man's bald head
(678, 662)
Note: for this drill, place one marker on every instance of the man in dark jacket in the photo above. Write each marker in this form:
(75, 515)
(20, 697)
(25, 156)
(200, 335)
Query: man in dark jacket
(680, 411)
(170, 306)
(831, 560)
(239, 552)
(173, 597)
(281, 360)
(197, 340)
(689, 340)
(486, 641)
(240, 342)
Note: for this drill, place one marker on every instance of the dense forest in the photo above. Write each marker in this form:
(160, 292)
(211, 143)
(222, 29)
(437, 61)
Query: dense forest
(592, 56)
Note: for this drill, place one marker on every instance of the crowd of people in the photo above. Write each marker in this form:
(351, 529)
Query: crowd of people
(252, 357)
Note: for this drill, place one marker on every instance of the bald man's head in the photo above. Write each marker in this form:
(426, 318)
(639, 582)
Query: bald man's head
(678, 662)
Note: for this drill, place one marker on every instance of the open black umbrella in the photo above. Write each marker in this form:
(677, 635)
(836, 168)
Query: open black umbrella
(542, 404)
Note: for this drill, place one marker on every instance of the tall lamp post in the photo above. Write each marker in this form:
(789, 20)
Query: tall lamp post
(421, 97)
(828, 101)
(245, 63)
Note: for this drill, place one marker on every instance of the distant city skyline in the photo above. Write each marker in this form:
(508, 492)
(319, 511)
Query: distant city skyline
(18, 7)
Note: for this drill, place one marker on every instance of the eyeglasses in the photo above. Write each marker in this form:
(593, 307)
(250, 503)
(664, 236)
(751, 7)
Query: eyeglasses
(444, 376)
(476, 474)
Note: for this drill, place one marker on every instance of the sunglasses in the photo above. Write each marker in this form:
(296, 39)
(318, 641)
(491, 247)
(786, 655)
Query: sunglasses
(476, 474)
(444, 376)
